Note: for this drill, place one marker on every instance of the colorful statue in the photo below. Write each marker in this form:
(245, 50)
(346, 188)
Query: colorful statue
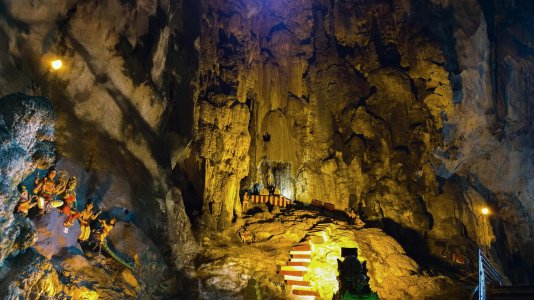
(246, 236)
(45, 189)
(25, 203)
(85, 218)
(270, 177)
(71, 184)
(103, 232)
(246, 199)
(354, 219)
(68, 208)
(61, 184)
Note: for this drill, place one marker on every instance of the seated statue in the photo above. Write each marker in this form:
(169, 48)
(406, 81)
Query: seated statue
(25, 202)
(46, 189)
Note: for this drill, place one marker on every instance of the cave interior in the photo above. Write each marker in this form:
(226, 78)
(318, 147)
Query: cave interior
(266, 149)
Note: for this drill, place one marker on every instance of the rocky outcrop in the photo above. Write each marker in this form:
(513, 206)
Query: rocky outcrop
(52, 236)
(184, 246)
(29, 276)
(26, 137)
(393, 275)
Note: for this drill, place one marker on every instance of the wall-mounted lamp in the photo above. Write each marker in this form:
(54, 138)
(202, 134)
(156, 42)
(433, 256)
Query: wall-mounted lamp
(484, 211)
(55, 65)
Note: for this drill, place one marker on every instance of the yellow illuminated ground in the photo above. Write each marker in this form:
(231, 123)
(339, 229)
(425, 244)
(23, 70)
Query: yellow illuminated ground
(323, 269)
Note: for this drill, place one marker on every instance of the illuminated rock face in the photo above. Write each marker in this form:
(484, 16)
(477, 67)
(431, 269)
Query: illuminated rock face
(27, 135)
(397, 107)
(351, 107)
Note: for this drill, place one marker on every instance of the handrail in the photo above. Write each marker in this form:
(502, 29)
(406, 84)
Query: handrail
(486, 273)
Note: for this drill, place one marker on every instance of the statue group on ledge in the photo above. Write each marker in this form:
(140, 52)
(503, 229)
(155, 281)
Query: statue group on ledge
(60, 194)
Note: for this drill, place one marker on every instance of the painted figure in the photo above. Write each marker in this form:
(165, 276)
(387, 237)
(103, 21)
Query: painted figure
(103, 232)
(25, 203)
(45, 189)
(246, 236)
(71, 184)
(61, 184)
(68, 208)
(85, 218)
(354, 219)
(246, 199)
(270, 176)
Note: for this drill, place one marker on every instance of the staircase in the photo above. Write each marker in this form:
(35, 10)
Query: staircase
(491, 284)
(509, 292)
(297, 266)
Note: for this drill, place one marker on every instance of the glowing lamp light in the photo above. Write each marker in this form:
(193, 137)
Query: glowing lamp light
(485, 211)
(56, 64)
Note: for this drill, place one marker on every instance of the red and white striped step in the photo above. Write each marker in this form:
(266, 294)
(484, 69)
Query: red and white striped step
(297, 266)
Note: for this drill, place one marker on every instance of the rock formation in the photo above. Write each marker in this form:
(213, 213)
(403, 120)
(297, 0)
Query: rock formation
(27, 136)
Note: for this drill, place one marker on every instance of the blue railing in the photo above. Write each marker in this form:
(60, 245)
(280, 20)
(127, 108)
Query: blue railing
(486, 275)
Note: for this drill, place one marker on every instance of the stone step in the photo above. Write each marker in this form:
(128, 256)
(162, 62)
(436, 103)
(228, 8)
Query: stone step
(305, 293)
(510, 292)
(298, 283)
(298, 255)
(292, 272)
(294, 268)
(298, 263)
(304, 260)
(307, 252)
(306, 247)
(300, 288)
(305, 297)
(293, 278)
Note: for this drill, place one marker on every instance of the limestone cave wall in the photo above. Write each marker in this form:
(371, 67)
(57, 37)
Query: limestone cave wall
(415, 112)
